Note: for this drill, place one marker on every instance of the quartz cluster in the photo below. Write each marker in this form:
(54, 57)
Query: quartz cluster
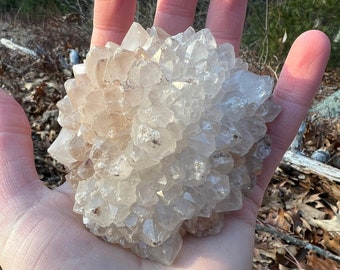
(161, 136)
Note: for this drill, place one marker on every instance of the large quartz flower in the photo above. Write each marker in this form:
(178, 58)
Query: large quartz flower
(161, 136)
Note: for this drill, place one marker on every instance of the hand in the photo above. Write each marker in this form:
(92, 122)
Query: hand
(38, 229)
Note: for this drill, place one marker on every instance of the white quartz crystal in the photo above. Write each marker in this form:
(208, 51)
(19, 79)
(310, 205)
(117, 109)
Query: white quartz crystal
(161, 136)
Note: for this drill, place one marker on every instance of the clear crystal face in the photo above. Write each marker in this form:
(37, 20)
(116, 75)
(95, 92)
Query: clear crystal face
(161, 136)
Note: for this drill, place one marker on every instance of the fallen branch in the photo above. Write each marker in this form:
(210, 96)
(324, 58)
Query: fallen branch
(297, 242)
(307, 165)
(11, 45)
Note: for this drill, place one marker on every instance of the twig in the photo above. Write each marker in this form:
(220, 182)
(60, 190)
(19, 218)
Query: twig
(265, 43)
(309, 166)
(11, 45)
(297, 242)
(293, 259)
(274, 72)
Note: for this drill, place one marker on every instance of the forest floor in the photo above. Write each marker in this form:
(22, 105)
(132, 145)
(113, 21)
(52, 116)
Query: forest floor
(298, 225)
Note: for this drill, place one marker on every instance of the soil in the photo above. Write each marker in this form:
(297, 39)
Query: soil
(301, 206)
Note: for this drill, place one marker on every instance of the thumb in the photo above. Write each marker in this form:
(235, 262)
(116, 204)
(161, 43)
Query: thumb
(18, 177)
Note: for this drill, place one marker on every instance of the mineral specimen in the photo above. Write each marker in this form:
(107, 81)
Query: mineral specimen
(162, 135)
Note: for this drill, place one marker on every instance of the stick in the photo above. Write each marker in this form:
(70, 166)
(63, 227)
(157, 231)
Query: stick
(10, 45)
(307, 165)
(297, 242)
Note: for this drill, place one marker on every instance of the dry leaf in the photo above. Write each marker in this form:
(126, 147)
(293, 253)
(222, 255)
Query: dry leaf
(332, 241)
(316, 263)
(310, 213)
(330, 225)
(278, 219)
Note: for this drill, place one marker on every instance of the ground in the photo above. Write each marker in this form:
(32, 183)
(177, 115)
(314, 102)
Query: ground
(299, 208)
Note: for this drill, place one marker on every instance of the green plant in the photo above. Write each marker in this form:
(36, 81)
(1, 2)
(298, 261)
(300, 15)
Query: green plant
(273, 25)
(37, 9)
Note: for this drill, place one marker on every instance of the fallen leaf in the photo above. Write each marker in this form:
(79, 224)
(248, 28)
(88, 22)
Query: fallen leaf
(332, 241)
(314, 262)
(330, 225)
(278, 218)
(310, 213)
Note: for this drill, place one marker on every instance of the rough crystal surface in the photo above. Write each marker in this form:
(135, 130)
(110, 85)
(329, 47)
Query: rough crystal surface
(161, 136)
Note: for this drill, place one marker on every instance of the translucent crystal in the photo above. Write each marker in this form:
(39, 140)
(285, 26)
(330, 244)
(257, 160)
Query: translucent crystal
(162, 135)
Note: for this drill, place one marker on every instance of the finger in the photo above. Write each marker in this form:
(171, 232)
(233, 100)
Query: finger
(298, 83)
(17, 170)
(225, 19)
(20, 187)
(111, 20)
(174, 16)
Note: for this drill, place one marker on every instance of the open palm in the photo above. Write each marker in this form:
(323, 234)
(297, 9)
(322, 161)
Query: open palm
(38, 229)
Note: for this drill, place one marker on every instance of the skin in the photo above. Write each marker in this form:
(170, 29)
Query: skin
(38, 229)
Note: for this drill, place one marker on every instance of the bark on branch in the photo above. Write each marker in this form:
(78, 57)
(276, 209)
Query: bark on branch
(297, 242)
(11, 45)
(309, 166)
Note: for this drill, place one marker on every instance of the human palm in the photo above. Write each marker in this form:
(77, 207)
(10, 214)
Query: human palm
(38, 229)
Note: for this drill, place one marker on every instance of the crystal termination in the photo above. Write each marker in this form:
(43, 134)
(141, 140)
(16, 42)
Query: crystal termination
(162, 135)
